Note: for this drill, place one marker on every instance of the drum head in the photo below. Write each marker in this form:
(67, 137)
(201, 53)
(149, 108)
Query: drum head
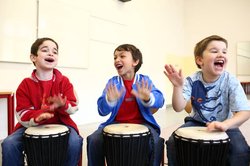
(46, 129)
(125, 128)
(200, 133)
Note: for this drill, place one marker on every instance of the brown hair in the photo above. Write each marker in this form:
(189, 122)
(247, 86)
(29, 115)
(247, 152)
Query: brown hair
(202, 45)
(38, 42)
(136, 53)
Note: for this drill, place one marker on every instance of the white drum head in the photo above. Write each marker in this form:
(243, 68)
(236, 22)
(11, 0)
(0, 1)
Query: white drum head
(125, 128)
(200, 133)
(46, 129)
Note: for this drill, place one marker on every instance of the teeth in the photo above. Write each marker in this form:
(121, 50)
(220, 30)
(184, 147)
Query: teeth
(219, 61)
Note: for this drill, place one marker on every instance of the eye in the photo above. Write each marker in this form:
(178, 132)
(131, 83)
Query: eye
(224, 51)
(213, 51)
(44, 50)
(55, 52)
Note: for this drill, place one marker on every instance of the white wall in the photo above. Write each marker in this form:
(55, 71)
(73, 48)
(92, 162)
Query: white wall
(154, 27)
(157, 27)
(227, 18)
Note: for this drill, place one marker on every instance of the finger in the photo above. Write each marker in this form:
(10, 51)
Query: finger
(169, 68)
(166, 73)
(150, 88)
(180, 72)
(134, 93)
(146, 84)
(122, 91)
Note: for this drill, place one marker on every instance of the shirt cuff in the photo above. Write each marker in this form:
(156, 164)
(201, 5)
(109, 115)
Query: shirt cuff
(150, 102)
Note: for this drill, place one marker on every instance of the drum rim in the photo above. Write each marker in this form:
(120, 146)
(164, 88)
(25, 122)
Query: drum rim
(113, 129)
(126, 135)
(35, 136)
(188, 133)
(218, 141)
(46, 131)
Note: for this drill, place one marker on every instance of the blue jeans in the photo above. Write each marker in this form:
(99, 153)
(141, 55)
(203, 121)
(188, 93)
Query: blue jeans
(239, 151)
(13, 147)
(95, 148)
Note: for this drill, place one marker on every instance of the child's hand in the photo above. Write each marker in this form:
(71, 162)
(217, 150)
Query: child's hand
(215, 125)
(56, 101)
(176, 78)
(44, 116)
(113, 93)
(143, 90)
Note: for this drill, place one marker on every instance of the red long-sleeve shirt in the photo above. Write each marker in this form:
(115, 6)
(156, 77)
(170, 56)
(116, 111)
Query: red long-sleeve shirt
(32, 94)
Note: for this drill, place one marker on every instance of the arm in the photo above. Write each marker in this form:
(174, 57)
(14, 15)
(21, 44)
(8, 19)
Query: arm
(238, 119)
(188, 107)
(238, 104)
(176, 78)
(148, 94)
(109, 98)
(28, 108)
(64, 101)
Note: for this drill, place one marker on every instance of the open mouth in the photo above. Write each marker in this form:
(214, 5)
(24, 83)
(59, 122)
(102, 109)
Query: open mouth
(49, 60)
(118, 66)
(219, 63)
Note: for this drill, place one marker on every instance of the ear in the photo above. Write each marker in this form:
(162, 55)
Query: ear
(198, 60)
(32, 58)
(136, 62)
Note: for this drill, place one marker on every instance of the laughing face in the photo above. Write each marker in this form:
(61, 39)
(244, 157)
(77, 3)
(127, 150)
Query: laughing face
(213, 60)
(124, 64)
(47, 56)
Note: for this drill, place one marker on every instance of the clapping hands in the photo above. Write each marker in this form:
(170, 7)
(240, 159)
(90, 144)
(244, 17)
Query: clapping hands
(143, 91)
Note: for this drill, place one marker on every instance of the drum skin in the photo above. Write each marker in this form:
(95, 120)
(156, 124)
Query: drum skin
(195, 146)
(126, 144)
(46, 145)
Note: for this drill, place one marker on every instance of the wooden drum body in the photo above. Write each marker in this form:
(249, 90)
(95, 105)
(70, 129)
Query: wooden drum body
(46, 145)
(195, 146)
(126, 144)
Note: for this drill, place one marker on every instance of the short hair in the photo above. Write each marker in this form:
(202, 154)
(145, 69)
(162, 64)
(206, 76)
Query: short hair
(136, 53)
(202, 45)
(38, 42)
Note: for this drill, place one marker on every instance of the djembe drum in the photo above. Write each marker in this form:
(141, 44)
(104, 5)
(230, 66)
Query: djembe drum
(195, 146)
(46, 145)
(126, 144)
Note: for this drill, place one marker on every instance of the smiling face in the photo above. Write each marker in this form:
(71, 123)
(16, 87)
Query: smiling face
(46, 57)
(125, 64)
(213, 60)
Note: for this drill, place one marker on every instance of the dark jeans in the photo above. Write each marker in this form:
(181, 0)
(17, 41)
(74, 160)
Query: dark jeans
(239, 151)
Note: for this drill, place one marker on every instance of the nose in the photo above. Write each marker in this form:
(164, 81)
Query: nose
(117, 59)
(221, 54)
(51, 53)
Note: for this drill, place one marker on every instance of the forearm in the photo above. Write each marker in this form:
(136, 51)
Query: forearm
(237, 120)
(178, 101)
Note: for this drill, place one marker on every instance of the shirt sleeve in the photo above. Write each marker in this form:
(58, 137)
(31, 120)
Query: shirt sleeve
(237, 98)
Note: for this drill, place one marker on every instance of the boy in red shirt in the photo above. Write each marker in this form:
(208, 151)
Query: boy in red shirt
(128, 98)
(47, 97)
